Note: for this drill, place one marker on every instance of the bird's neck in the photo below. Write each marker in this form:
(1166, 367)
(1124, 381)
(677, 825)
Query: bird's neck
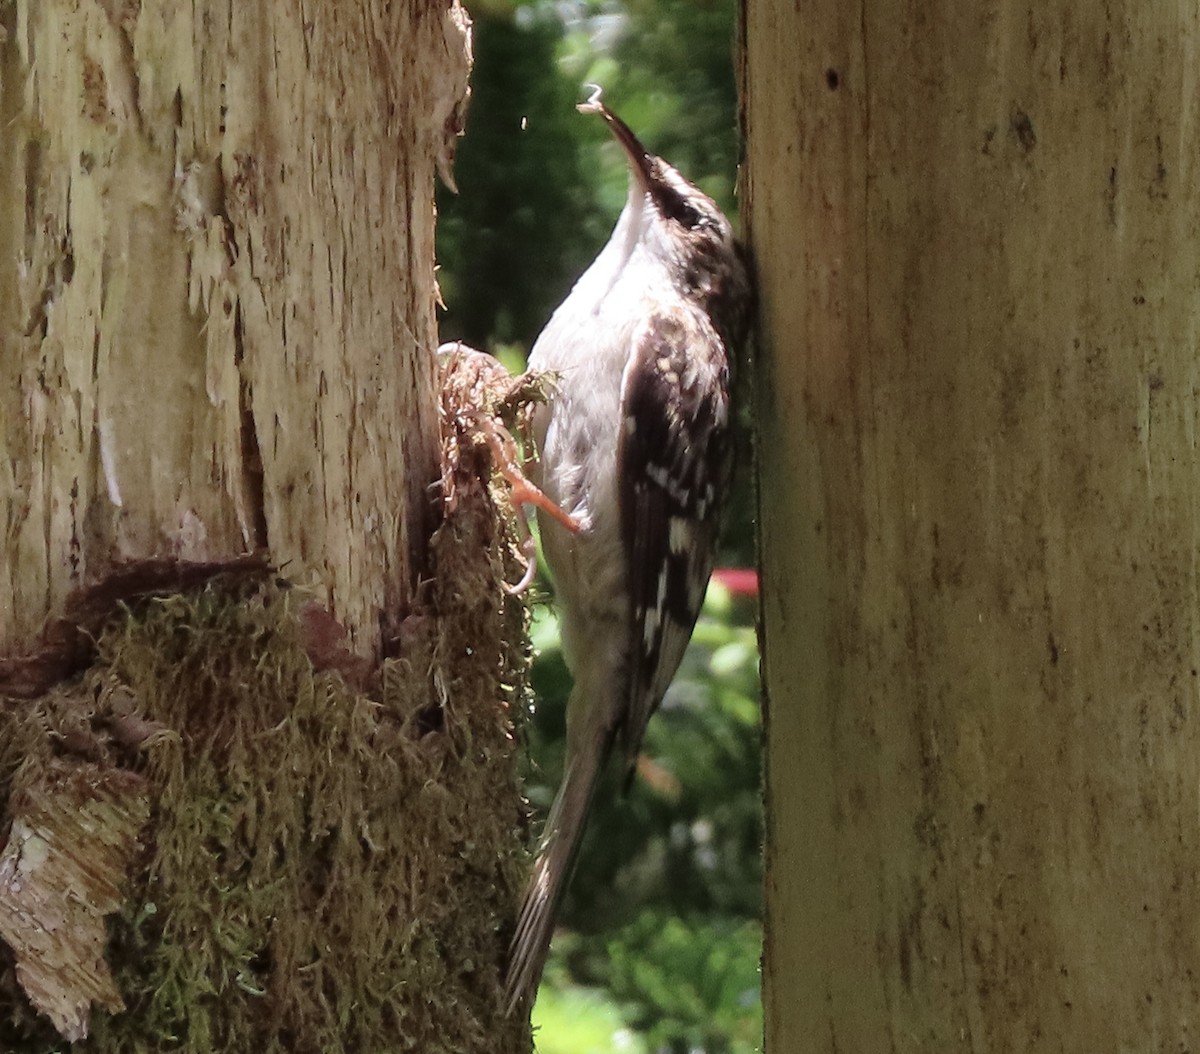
(622, 248)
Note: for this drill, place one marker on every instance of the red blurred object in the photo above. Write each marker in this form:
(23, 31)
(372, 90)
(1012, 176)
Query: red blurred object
(740, 581)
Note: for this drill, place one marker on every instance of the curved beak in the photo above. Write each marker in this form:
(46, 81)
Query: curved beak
(639, 158)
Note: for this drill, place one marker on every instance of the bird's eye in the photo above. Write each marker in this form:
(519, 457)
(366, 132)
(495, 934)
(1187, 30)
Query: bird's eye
(676, 207)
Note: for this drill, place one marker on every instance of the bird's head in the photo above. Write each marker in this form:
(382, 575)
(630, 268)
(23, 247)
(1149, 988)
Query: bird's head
(684, 228)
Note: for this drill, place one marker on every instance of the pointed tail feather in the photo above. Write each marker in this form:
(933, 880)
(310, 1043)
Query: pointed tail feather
(560, 842)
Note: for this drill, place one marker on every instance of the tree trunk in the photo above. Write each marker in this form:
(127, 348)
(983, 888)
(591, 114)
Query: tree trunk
(977, 228)
(217, 322)
(217, 294)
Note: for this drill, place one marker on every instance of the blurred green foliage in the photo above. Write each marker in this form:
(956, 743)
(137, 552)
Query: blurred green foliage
(539, 185)
(524, 223)
(659, 942)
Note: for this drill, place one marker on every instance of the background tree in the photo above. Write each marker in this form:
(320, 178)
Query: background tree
(524, 221)
(977, 229)
(259, 760)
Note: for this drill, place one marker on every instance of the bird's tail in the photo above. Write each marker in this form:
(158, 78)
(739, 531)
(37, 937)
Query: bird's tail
(560, 842)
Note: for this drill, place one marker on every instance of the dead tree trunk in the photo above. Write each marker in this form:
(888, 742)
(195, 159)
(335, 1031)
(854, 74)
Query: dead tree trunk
(242, 747)
(978, 228)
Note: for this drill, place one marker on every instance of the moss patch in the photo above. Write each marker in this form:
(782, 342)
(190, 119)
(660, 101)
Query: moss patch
(325, 868)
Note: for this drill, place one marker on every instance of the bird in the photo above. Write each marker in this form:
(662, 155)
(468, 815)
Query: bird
(634, 446)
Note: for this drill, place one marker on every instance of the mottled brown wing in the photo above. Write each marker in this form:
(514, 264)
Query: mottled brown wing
(674, 459)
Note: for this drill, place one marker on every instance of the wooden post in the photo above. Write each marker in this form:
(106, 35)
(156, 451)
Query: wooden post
(977, 229)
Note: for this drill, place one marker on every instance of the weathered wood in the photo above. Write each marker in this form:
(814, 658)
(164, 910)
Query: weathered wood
(217, 291)
(978, 228)
(217, 344)
(71, 843)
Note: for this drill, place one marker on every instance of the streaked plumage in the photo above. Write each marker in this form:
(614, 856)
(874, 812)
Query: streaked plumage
(635, 445)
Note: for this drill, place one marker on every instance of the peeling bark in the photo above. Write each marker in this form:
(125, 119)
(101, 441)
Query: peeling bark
(217, 292)
(64, 868)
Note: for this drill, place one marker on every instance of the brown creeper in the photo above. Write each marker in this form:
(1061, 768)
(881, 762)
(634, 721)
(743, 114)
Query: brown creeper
(635, 447)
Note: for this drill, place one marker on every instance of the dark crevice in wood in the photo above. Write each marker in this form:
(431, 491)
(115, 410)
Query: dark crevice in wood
(67, 643)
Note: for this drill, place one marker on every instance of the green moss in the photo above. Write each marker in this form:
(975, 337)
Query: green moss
(324, 870)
